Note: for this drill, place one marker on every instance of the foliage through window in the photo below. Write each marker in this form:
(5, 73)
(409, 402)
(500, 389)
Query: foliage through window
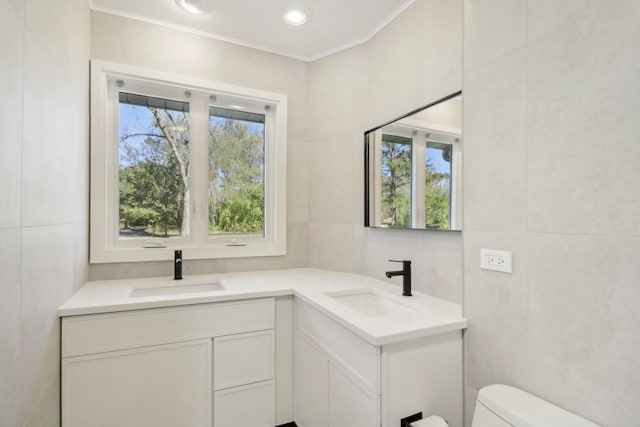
(438, 194)
(236, 173)
(154, 167)
(396, 181)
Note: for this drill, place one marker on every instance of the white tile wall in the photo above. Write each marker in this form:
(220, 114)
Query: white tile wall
(346, 242)
(545, 16)
(47, 163)
(495, 145)
(582, 108)
(496, 344)
(43, 213)
(18, 6)
(10, 327)
(442, 263)
(395, 65)
(492, 28)
(564, 106)
(336, 185)
(443, 40)
(11, 74)
(297, 181)
(44, 288)
(583, 321)
(331, 83)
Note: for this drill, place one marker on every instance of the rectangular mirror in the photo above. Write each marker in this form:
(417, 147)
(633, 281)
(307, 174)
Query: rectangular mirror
(413, 168)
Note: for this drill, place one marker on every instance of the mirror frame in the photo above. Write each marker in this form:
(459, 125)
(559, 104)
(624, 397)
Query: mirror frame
(367, 162)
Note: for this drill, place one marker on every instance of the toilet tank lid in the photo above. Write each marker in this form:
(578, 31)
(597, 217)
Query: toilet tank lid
(522, 409)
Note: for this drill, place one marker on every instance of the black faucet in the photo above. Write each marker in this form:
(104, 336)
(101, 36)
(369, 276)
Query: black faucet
(177, 265)
(406, 276)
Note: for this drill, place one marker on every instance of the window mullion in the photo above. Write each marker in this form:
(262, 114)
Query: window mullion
(418, 181)
(111, 166)
(199, 170)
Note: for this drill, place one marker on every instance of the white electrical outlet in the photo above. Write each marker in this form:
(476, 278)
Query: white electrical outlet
(495, 260)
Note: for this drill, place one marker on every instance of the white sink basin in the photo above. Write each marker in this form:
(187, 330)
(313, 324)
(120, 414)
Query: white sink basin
(373, 303)
(187, 288)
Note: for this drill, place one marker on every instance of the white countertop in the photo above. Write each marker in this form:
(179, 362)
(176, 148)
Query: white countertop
(430, 315)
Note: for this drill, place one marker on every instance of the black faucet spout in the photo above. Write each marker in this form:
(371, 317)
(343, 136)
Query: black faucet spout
(406, 276)
(177, 265)
(391, 274)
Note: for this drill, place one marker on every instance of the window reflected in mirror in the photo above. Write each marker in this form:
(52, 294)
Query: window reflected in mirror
(395, 171)
(413, 169)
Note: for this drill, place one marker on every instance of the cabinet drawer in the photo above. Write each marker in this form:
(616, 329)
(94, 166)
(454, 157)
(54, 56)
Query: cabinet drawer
(243, 359)
(246, 406)
(98, 333)
(354, 354)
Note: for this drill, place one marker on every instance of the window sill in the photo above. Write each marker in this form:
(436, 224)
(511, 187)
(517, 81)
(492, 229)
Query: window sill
(142, 254)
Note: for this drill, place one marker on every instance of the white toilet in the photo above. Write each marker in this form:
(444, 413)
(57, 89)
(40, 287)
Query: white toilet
(500, 405)
(504, 406)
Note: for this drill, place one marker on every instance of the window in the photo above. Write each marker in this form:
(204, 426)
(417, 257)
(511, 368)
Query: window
(184, 163)
(438, 200)
(154, 169)
(236, 173)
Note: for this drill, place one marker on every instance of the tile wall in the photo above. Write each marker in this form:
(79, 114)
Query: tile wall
(551, 174)
(44, 64)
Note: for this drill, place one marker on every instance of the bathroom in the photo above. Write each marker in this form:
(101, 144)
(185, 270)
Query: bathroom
(550, 107)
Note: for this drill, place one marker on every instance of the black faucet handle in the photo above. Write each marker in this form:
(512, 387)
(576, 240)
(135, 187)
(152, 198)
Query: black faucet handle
(177, 265)
(400, 260)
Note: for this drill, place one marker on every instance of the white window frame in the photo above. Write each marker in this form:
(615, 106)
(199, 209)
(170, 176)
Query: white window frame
(105, 246)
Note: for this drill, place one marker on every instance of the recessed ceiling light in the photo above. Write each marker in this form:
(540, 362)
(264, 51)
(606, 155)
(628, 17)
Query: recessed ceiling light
(195, 7)
(295, 17)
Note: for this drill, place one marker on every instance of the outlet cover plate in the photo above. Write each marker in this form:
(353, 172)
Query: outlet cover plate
(495, 260)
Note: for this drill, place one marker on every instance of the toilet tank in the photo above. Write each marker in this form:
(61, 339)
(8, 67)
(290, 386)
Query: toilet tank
(504, 406)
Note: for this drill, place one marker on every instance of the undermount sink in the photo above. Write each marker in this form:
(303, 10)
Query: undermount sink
(372, 303)
(187, 288)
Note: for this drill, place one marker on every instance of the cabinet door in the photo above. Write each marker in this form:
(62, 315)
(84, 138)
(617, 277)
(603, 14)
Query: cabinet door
(165, 385)
(350, 403)
(310, 383)
(245, 406)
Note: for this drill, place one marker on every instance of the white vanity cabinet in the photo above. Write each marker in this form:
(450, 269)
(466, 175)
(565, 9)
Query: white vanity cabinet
(342, 380)
(177, 366)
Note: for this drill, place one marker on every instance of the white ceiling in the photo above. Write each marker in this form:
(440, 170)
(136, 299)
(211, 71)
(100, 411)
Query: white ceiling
(332, 25)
